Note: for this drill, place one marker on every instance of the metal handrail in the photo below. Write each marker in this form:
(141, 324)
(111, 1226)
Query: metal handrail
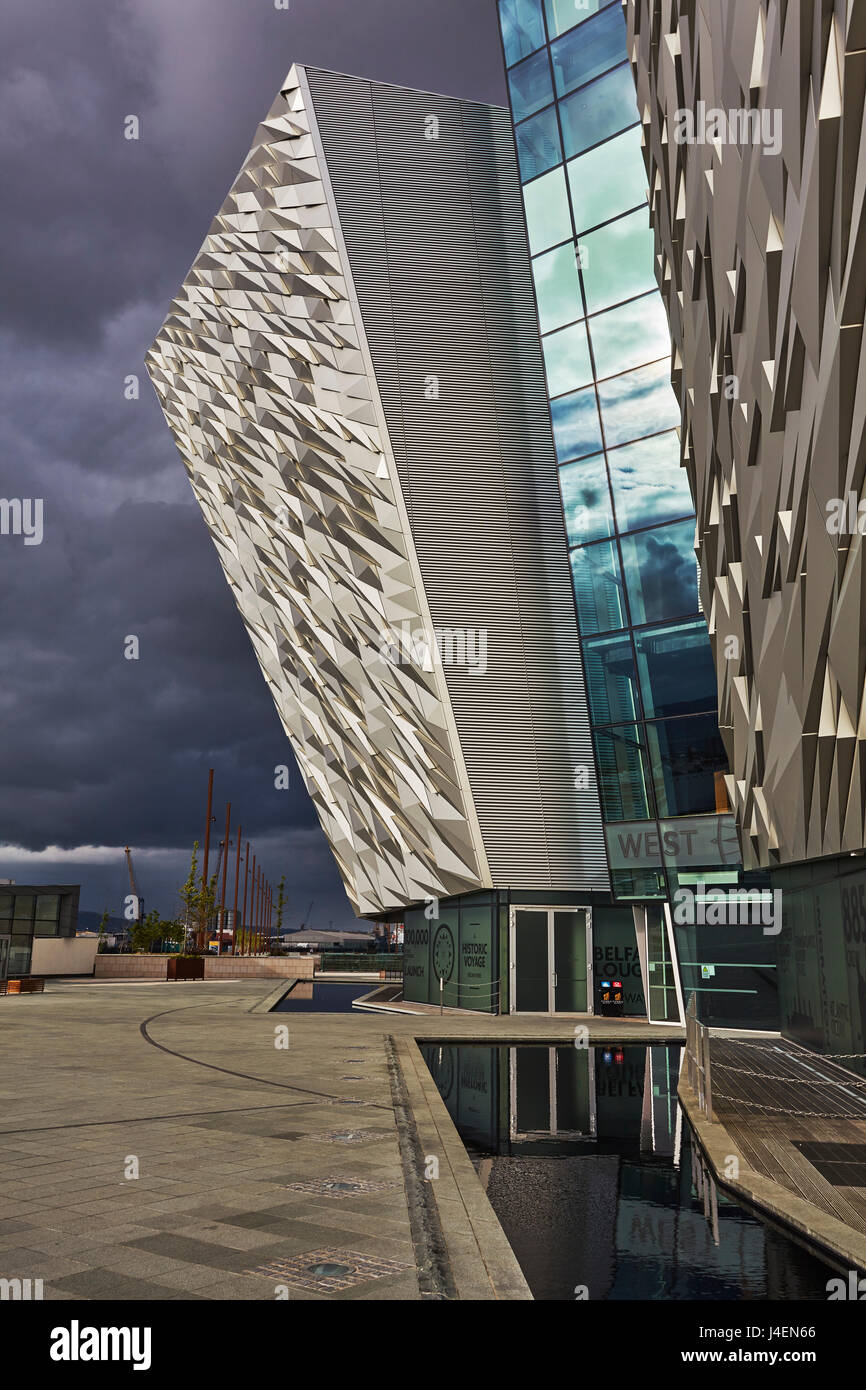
(698, 1058)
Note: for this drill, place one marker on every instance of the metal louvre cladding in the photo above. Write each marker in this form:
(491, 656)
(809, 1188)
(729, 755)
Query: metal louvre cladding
(350, 510)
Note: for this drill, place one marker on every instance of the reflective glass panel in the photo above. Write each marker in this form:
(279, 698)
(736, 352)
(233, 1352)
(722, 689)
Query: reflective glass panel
(661, 572)
(530, 85)
(586, 502)
(538, 144)
(633, 335)
(648, 484)
(611, 682)
(522, 26)
(608, 180)
(576, 430)
(589, 51)
(686, 756)
(618, 261)
(595, 112)
(557, 288)
(564, 14)
(548, 218)
(675, 666)
(566, 357)
(638, 403)
(598, 588)
(623, 776)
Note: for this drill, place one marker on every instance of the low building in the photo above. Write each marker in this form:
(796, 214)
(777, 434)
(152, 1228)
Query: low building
(31, 914)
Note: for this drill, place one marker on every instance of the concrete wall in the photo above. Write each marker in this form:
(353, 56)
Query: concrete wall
(63, 955)
(216, 968)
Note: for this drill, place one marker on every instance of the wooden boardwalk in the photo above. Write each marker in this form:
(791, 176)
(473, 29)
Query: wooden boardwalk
(797, 1119)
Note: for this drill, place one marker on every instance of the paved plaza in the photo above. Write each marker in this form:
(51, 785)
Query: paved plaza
(161, 1141)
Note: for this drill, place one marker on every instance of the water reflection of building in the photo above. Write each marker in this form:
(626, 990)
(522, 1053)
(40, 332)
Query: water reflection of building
(587, 1162)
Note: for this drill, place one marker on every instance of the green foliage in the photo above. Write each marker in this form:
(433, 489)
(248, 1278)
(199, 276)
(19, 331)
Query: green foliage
(153, 930)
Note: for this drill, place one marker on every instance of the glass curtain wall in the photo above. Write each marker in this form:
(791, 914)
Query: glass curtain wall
(629, 515)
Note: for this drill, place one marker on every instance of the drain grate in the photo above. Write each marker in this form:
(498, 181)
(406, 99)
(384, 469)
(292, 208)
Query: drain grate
(341, 1187)
(329, 1270)
(350, 1136)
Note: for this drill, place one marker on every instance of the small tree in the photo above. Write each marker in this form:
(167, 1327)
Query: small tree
(103, 923)
(153, 929)
(281, 899)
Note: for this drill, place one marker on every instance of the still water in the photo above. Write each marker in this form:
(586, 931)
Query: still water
(315, 997)
(588, 1162)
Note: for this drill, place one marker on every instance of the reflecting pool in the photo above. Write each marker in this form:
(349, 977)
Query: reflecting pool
(589, 1164)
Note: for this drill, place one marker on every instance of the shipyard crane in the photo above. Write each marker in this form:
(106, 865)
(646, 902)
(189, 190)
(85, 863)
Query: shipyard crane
(139, 900)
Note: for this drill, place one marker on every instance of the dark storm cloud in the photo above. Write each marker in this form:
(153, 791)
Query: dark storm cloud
(98, 232)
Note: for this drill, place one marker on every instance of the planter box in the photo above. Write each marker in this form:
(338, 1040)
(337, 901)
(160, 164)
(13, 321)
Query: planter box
(185, 968)
(30, 984)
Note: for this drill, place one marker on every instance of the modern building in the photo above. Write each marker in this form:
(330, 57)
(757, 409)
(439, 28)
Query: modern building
(752, 120)
(481, 628)
(629, 513)
(31, 915)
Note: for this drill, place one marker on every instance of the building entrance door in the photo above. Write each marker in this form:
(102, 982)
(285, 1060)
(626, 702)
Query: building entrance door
(550, 960)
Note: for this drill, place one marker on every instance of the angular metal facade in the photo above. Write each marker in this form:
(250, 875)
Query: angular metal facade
(351, 506)
(761, 259)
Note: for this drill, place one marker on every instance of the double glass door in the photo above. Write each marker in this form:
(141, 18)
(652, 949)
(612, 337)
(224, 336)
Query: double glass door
(550, 960)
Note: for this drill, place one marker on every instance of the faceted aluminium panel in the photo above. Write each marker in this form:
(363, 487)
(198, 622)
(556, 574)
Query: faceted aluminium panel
(262, 374)
(761, 259)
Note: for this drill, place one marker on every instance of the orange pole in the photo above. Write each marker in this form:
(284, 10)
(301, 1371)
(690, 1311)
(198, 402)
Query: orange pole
(199, 936)
(244, 911)
(221, 916)
(237, 883)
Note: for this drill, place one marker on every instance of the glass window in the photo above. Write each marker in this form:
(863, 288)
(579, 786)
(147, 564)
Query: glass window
(49, 927)
(564, 14)
(618, 261)
(611, 682)
(633, 335)
(686, 756)
(23, 906)
(576, 430)
(608, 180)
(638, 403)
(557, 288)
(530, 85)
(586, 502)
(19, 956)
(566, 357)
(522, 28)
(598, 588)
(47, 907)
(589, 51)
(599, 110)
(623, 778)
(675, 666)
(648, 484)
(661, 572)
(5, 905)
(548, 219)
(538, 146)
(638, 883)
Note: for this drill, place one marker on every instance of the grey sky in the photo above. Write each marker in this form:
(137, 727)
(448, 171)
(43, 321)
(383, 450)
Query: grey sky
(97, 233)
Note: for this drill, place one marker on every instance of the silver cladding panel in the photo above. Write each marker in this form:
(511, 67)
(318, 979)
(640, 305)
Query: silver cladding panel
(435, 238)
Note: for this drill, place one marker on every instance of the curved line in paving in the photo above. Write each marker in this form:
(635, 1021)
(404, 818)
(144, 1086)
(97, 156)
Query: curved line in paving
(244, 1076)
